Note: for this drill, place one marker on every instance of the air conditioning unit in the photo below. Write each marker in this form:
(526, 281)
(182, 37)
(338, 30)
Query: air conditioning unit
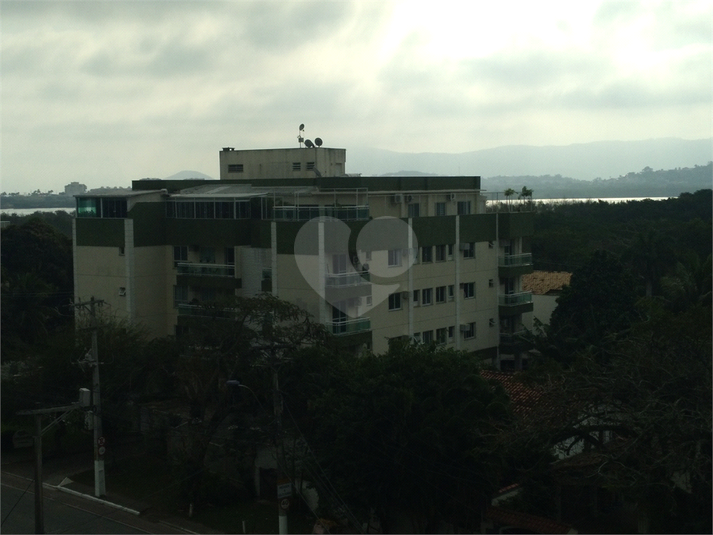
(122, 291)
(464, 327)
(397, 198)
(451, 196)
(408, 198)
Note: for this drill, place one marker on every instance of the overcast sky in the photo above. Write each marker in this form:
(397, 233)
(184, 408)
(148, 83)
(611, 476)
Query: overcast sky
(105, 92)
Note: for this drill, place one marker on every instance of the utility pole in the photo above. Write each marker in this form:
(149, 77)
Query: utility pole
(92, 359)
(37, 413)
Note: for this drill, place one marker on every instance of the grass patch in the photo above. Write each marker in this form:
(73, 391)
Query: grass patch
(148, 479)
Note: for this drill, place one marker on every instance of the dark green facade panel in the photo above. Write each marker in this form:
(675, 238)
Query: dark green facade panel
(514, 310)
(514, 271)
(516, 224)
(100, 232)
(149, 224)
(208, 232)
(434, 230)
(477, 228)
(226, 283)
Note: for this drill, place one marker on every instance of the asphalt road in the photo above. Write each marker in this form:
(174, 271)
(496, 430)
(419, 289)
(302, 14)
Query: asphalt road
(65, 513)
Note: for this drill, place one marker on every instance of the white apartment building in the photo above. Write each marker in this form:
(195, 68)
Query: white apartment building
(372, 258)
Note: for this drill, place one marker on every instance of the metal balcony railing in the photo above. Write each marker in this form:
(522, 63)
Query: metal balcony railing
(524, 259)
(339, 280)
(349, 326)
(209, 270)
(520, 298)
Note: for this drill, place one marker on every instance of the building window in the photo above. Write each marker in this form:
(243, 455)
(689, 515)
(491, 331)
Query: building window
(416, 295)
(468, 330)
(427, 254)
(468, 250)
(451, 332)
(440, 208)
(235, 168)
(450, 251)
(180, 295)
(441, 294)
(207, 255)
(440, 253)
(441, 335)
(122, 251)
(230, 256)
(296, 166)
(463, 207)
(427, 296)
(395, 301)
(394, 257)
(451, 292)
(180, 253)
(114, 208)
(427, 337)
(469, 290)
(368, 300)
(414, 209)
(417, 338)
(491, 283)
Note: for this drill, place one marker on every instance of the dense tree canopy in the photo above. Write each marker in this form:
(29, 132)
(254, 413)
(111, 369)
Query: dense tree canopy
(413, 430)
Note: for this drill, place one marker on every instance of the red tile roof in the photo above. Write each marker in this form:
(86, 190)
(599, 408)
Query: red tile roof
(544, 282)
(522, 397)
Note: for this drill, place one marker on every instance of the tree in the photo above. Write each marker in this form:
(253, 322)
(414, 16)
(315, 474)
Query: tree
(525, 193)
(652, 397)
(597, 304)
(509, 193)
(229, 343)
(414, 431)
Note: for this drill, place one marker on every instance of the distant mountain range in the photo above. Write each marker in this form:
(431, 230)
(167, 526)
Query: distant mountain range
(583, 161)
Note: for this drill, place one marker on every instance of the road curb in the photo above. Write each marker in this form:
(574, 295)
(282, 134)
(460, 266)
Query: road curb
(61, 487)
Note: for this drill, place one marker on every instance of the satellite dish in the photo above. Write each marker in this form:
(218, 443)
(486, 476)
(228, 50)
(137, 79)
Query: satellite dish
(318, 141)
(302, 127)
(308, 143)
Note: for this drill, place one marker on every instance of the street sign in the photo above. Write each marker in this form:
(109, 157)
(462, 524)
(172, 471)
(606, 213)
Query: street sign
(102, 450)
(284, 490)
(101, 441)
(285, 504)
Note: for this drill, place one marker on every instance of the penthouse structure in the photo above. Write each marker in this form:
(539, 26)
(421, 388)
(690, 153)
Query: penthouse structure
(372, 258)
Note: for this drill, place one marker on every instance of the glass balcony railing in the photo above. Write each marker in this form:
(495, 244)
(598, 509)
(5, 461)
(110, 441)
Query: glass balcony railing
(524, 259)
(511, 338)
(340, 280)
(305, 213)
(209, 270)
(520, 298)
(203, 311)
(352, 326)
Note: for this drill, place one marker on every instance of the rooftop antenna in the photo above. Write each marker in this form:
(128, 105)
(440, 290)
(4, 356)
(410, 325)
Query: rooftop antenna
(301, 138)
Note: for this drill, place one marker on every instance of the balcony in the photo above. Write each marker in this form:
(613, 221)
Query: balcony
(512, 265)
(512, 343)
(357, 325)
(199, 311)
(341, 280)
(514, 304)
(524, 259)
(205, 270)
(305, 213)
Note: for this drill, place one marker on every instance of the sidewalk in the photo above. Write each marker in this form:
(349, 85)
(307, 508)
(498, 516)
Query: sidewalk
(56, 475)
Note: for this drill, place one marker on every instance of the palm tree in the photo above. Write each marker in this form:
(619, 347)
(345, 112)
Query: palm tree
(509, 193)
